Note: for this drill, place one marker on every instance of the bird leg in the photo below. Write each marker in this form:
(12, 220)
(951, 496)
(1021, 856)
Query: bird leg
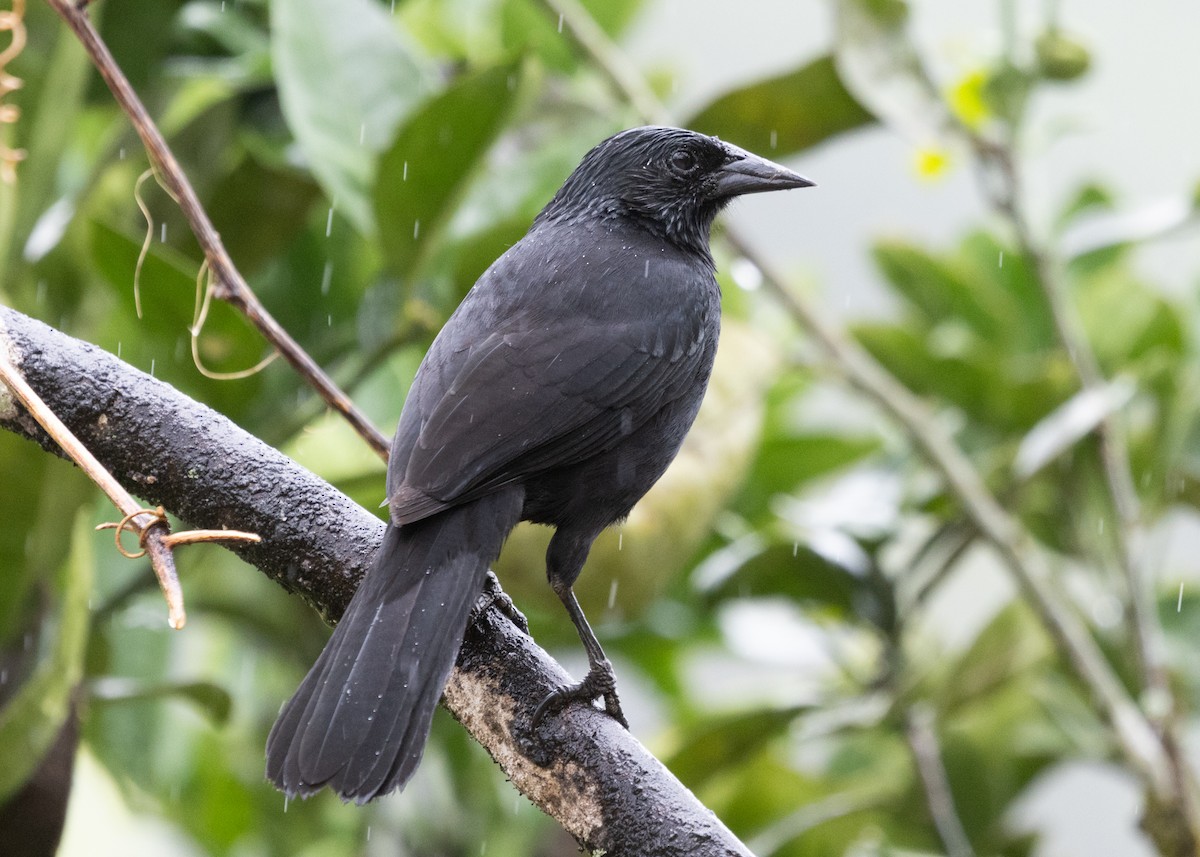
(493, 596)
(600, 680)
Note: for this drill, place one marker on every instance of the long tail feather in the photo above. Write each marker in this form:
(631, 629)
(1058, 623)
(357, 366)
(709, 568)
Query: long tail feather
(359, 721)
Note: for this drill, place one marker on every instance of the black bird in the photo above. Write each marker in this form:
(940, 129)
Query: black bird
(558, 392)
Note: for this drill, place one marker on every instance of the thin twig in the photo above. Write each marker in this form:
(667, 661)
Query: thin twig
(228, 284)
(1135, 734)
(1114, 453)
(1000, 181)
(151, 525)
(148, 524)
(11, 21)
(577, 24)
(927, 754)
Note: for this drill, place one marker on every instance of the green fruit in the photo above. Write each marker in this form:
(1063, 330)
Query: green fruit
(1060, 57)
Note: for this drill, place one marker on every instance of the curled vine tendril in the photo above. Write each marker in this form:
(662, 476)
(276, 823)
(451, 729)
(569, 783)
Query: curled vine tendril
(11, 21)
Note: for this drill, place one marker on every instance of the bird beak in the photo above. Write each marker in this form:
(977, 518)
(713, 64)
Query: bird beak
(748, 173)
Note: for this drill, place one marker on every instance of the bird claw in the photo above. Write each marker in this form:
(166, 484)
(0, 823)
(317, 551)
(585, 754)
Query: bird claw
(493, 596)
(600, 681)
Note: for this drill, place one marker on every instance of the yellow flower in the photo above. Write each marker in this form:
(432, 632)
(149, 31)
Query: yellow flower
(931, 162)
(967, 100)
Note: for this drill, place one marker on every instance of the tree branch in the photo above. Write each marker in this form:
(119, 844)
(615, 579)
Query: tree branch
(1161, 703)
(582, 768)
(927, 754)
(228, 284)
(1136, 736)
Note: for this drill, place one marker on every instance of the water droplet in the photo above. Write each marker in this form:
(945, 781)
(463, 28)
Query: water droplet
(329, 223)
(163, 233)
(404, 174)
(560, 23)
(416, 229)
(327, 277)
(612, 593)
(774, 138)
(1000, 261)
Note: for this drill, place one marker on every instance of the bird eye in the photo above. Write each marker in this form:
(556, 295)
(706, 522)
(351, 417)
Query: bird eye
(683, 161)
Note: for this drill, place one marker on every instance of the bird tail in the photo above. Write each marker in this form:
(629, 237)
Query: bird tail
(359, 721)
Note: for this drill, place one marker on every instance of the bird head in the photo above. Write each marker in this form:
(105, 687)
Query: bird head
(670, 181)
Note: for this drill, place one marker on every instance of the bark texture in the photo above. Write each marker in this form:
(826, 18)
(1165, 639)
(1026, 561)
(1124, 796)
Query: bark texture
(581, 767)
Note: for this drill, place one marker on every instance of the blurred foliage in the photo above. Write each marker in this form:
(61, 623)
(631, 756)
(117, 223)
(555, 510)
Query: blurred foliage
(775, 603)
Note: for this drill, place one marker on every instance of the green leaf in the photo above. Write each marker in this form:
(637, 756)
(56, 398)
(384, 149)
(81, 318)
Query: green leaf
(991, 266)
(1089, 198)
(613, 16)
(729, 742)
(259, 211)
(1179, 613)
(986, 383)
(1007, 92)
(60, 101)
(212, 699)
(427, 167)
(31, 720)
(1065, 426)
(139, 34)
(937, 288)
(879, 64)
(45, 492)
(168, 288)
(797, 572)
(785, 114)
(1148, 324)
(346, 80)
(1011, 645)
(526, 28)
(784, 463)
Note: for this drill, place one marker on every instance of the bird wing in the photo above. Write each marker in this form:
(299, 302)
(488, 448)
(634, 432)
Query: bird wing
(530, 398)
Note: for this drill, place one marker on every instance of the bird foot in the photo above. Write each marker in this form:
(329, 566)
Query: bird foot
(600, 681)
(493, 596)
